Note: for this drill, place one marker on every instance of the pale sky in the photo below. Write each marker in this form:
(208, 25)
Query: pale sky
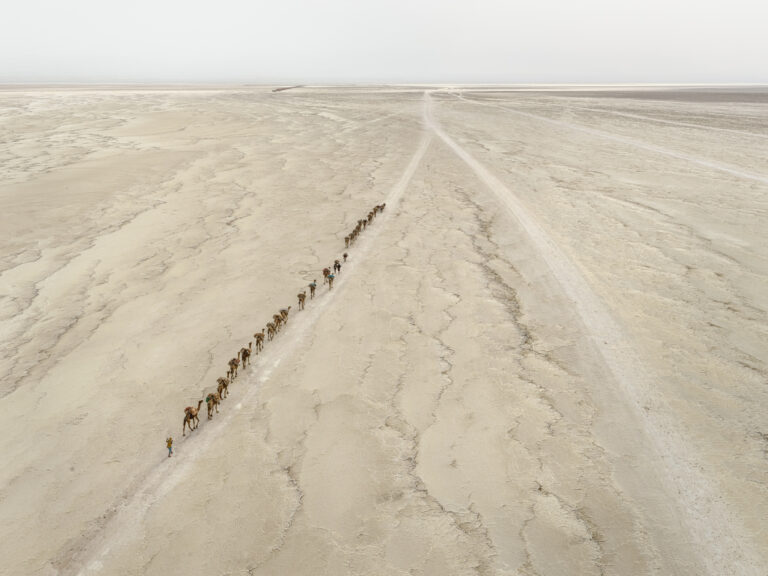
(343, 41)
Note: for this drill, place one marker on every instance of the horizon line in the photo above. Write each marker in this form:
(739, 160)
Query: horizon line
(171, 83)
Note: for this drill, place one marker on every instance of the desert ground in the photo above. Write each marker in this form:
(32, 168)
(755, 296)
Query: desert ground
(547, 356)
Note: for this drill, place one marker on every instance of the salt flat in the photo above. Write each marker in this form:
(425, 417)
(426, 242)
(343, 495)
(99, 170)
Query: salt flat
(547, 356)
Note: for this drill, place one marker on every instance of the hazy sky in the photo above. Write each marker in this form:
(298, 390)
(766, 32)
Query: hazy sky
(302, 41)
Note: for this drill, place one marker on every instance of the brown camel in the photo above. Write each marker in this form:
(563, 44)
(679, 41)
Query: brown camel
(259, 340)
(270, 330)
(284, 314)
(245, 356)
(190, 418)
(326, 272)
(346, 241)
(233, 364)
(302, 296)
(223, 388)
(278, 320)
(213, 401)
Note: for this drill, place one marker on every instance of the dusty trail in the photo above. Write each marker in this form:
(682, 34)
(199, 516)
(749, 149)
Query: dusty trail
(671, 122)
(125, 521)
(721, 542)
(629, 141)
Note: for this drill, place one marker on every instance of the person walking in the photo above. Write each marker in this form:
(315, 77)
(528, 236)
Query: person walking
(345, 256)
(312, 287)
(330, 281)
(169, 443)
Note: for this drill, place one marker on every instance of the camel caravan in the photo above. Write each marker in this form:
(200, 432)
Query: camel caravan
(270, 331)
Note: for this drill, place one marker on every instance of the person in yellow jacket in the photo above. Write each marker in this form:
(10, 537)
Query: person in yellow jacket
(169, 443)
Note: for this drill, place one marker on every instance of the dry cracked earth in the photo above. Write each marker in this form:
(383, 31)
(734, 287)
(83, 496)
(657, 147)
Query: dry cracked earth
(547, 356)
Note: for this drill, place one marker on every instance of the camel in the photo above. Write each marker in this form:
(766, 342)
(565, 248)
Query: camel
(233, 364)
(284, 314)
(326, 272)
(245, 355)
(382, 206)
(278, 321)
(346, 241)
(213, 401)
(270, 330)
(190, 417)
(259, 340)
(302, 296)
(370, 217)
(223, 388)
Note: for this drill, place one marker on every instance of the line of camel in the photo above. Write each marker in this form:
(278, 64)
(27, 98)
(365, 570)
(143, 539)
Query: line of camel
(279, 321)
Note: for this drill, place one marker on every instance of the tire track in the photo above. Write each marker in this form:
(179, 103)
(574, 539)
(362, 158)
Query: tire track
(630, 142)
(669, 122)
(123, 522)
(721, 543)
